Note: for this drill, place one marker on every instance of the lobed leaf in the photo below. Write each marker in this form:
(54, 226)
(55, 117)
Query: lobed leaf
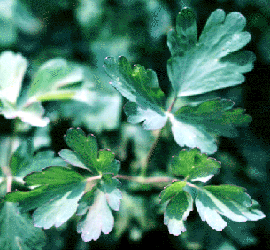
(141, 88)
(22, 164)
(56, 200)
(211, 63)
(177, 212)
(227, 200)
(194, 166)
(171, 190)
(96, 206)
(85, 153)
(194, 126)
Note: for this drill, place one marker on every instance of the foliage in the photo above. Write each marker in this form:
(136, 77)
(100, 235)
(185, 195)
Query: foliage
(82, 183)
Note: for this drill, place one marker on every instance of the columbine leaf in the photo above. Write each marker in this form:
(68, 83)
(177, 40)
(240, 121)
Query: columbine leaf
(194, 166)
(177, 212)
(17, 230)
(22, 163)
(195, 126)
(171, 190)
(55, 79)
(227, 200)
(197, 67)
(141, 88)
(56, 199)
(85, 153)
(99, 216)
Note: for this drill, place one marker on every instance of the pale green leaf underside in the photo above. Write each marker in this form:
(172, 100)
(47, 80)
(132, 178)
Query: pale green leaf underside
(32, 113)
(230, 201)
(197, 67)
(98, 219)
(59, 210)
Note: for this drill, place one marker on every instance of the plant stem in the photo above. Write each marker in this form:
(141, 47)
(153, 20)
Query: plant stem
(151, 151)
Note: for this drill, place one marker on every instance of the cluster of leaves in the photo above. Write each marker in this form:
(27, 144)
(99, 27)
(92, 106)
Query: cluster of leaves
(211, 201)
(84, 180)
(60, 189)
(196, 67)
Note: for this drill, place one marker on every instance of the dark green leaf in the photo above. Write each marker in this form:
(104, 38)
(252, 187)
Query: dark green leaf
(141, 88)
(171, 190)
(54, 176)
(56, 200)
(86, 154)
(194, 166)
(85, 147)
(22, 165)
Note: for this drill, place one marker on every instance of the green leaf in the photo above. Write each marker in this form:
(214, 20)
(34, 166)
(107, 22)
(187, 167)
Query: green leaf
(106, 162)
(54, 176)
(194, 126)
(177, 212)
(84, 147)
(194, 166)
(141, 88)
(171, 190)
(109, 187)
(86, 155)
(72, 158)
(211, 63)
(22, 163)
(56, 200)
(227, 200)
(99, 216)
(17, 230)
(55, 79)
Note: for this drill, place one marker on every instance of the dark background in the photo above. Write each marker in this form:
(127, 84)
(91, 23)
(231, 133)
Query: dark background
(85, 32)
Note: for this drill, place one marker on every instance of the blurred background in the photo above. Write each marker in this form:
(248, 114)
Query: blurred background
(87, 31)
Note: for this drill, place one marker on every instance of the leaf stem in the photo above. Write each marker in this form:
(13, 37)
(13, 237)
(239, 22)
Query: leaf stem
(147, 180)
(171, 106)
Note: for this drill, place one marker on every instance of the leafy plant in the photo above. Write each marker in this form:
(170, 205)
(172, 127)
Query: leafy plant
(85, 181)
